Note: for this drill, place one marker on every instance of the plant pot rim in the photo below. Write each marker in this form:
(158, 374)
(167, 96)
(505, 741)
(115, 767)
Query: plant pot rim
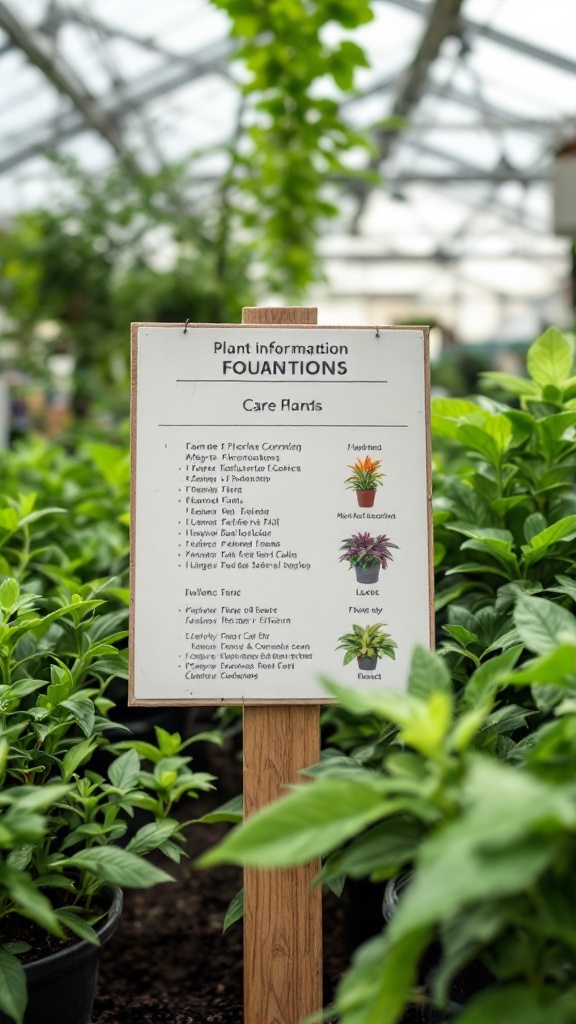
(56, 963)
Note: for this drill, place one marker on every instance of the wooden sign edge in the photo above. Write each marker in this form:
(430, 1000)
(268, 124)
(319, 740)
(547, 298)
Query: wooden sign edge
(260, 702)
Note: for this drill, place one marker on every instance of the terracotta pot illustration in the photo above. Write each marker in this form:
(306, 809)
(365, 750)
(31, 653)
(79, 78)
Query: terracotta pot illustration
(366, 498)
(368, 573)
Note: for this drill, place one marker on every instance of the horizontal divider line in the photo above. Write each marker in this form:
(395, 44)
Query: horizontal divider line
(248, 380)
(270, 426)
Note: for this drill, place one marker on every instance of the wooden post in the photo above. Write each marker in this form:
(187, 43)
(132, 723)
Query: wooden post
(282, 916)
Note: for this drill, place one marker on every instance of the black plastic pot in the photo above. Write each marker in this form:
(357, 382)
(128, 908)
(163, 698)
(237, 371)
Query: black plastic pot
(470, 980)
(367, 573)
(61, 987)
(367, 664)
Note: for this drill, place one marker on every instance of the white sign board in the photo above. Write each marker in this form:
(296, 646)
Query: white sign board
(244, 439)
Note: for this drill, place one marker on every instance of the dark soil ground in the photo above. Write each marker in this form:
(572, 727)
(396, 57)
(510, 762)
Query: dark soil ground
(169, 962)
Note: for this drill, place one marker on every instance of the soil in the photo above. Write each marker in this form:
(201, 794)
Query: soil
(169, 962)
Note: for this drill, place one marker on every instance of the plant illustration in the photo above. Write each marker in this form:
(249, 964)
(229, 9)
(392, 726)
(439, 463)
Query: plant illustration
(362, 550)
(367, 642)
(366, 475)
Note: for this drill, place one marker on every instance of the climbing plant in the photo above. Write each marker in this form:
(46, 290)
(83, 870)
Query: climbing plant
(299, 64)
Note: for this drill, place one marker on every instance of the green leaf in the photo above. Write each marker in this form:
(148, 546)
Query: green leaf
(540, 542)
(428, 672)
(120, 867)
(84, 712)
(519, 1004)
(479, 441)
(511, 383)
(308, 822)
(123, 772)
(76, 755)
(550, 358)
(542, 625)
(153, 835)
(75, 923)
(376, 988)
(385, 846)
(231, 811)
(556, 668)
(9, 594)
(12, 987)
(234, 911)
(485, 680)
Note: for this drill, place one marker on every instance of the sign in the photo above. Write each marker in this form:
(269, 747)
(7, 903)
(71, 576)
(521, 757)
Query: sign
(255, 450)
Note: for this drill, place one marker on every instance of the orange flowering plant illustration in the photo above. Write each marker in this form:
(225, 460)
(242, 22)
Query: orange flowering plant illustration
(365, 474)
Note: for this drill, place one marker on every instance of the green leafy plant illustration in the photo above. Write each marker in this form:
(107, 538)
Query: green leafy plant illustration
(367, 642)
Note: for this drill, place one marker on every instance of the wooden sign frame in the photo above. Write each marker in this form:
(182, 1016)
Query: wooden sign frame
(282, 912)
(422, 563)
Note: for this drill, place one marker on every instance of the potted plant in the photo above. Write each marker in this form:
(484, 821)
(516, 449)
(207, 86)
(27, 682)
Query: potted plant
(367, 554)
(367, 644)
(487, 829)
(366, 476)
(61, 821)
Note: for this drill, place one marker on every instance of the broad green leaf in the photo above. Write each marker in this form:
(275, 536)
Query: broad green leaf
(234, 911)
(123, 772)
(509, 382)
(479, 441)
(542, 625)
(231, 811)
(76, 755)
(428, 672)
(499, 429)
(9, 594)
(566, 585)
(120, 867)
(76, 923)
(84, 712)
(447, 413)
(153, 835)
(533, 525)
(393, 842)
(556, 668)
(539, 544)
(308, 822)
(376, 988)
(12, 986)
(550, 358)
(34, 798)
(31, 902)
(499, 846)
(483, 683)
(519, 1004)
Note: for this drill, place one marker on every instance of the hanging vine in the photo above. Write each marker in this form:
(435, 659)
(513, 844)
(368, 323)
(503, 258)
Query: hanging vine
(294, 138)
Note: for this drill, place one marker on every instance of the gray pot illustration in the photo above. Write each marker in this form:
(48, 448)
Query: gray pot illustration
(367, 664)
(367, 573)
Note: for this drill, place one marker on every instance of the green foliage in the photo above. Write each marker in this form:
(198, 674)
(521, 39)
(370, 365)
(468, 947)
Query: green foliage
(63, 619)
(293, 135)
(491, 842)
(505, 506)
(367, 642)
(79, 272)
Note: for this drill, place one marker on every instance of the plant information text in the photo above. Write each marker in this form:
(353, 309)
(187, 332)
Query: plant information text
(243, 440)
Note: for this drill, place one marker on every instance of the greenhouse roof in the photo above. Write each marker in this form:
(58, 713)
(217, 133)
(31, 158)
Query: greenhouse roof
(458, 225)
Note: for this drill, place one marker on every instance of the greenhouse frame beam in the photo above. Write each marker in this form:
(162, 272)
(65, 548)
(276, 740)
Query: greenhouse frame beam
(442, 21)
(63, 77)
(66, 15)
(556, 60)
(140, 91)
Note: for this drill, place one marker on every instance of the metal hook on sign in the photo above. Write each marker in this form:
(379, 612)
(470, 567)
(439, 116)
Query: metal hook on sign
(377, 332)
(185, 331)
